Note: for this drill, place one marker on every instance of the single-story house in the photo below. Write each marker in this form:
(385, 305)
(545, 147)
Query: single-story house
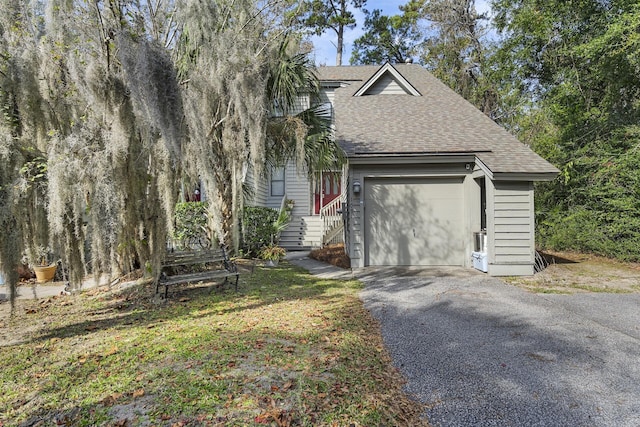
(426, 170)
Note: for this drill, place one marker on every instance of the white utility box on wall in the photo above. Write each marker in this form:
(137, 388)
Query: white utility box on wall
(480, 261)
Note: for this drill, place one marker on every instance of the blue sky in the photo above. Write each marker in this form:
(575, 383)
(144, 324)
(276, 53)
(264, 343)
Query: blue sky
(325, 51)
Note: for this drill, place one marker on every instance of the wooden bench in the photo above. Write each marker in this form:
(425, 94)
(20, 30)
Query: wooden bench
(215, 264)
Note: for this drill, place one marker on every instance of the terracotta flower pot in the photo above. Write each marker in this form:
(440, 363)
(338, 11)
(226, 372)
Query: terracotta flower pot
(45, 273)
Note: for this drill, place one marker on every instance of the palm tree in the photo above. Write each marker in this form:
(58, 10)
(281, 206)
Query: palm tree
(304, 136)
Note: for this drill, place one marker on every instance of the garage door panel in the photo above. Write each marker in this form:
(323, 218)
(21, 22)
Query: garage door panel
(414, 221)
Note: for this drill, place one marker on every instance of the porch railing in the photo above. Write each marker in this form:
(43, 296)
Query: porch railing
(332, 225)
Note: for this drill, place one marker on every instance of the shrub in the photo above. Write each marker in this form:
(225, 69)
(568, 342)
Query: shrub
(258, 228)
(272, 253)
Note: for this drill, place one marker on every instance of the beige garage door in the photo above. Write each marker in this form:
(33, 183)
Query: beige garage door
(414, 221)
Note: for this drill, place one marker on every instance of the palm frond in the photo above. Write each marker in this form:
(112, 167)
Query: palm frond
(307, 136)
(292, 76)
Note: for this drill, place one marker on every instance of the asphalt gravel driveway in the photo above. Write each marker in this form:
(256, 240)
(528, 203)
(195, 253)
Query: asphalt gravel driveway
(479, 352)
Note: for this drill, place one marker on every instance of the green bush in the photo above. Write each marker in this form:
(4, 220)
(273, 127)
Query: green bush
(594, 206)
(610, 233)
(258, 228)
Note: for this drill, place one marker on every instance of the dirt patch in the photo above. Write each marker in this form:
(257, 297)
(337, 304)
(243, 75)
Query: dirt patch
(570, 273)
(332, 254)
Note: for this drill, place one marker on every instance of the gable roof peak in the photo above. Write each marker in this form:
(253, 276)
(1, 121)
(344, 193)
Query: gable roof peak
(387, 68)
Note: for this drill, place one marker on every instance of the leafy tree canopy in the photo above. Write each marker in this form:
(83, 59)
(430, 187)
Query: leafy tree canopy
(388, 38)
(579, 65)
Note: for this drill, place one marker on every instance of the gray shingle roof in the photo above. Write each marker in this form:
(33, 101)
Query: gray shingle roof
(438, 122)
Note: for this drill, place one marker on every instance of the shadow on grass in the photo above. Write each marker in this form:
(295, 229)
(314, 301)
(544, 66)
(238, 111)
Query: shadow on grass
(313, 356)
(551, 258)
(139, 306)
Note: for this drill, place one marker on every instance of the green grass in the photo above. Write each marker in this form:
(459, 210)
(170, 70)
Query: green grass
(288, 349)
(601, 289)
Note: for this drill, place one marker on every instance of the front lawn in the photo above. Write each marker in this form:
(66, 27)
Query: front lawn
(288, 349)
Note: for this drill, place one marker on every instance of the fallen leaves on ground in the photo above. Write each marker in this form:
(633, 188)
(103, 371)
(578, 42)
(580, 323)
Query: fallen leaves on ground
(568, 273)
(288, 349)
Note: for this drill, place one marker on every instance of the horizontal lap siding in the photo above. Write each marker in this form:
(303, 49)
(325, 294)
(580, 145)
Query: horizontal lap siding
(298, 189)
(303, 231)
(513, 223)
(327, 95)
(386, 85)
(260, 187)
(357, 230)
(508, 223)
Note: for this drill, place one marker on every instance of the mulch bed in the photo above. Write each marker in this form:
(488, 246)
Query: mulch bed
(332, 254)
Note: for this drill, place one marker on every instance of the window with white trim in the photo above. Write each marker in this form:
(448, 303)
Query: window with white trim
(277, 181)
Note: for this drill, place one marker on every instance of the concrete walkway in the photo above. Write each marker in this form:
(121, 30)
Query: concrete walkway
(317, 268)
(46, 290)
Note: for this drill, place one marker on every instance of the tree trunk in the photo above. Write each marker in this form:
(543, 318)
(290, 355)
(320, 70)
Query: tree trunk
(339, 47)
(225, 195)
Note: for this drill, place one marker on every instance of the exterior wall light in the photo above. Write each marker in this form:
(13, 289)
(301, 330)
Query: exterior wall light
(356, 187)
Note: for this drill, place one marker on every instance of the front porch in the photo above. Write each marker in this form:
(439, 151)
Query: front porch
(315, 231)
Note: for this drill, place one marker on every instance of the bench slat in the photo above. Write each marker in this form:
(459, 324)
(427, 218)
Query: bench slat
(194, 256)
(225, 268)
(195, 261)
(196, 277)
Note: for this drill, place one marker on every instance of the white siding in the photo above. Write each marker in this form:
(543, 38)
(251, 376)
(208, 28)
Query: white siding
(260, 189)
(386, 85)
(296, 188)
(327, 95)
(304, 231)
(510, 227)
(302, 103)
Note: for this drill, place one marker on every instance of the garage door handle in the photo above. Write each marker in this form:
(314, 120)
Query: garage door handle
(414, 232)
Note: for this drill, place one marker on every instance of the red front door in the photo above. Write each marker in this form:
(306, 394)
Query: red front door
(327, 189)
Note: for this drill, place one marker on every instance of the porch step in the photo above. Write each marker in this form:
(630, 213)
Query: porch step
(303, 232)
